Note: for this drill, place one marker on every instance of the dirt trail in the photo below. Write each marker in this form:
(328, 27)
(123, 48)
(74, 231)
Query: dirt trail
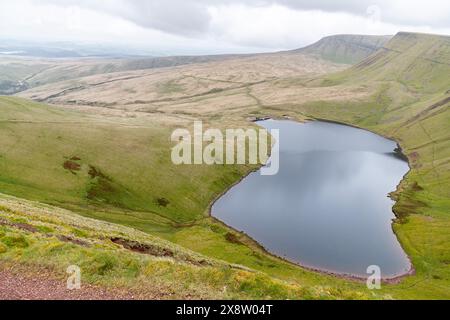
(19, 286)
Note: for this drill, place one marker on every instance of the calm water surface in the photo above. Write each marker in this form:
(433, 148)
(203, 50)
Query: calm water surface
(328, 207)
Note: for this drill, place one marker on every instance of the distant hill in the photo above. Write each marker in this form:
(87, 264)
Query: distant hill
(66, 50)
(348, 49)
(18, 74)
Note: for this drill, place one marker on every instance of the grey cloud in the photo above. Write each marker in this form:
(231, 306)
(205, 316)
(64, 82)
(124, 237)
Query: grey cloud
(351, 6)
(433, 13)
(183, 17)
(175, 16)
(403, 12)
(191, 17)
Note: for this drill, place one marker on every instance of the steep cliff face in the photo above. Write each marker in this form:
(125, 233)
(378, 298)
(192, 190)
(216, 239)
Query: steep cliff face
(348, 49)
(419, 61)
(412, 65)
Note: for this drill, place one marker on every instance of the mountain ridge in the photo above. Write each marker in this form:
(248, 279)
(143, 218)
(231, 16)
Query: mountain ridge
(35, 72)
(419, 61)
(345, 48)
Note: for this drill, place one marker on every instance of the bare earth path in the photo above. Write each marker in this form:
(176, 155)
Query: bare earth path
(15, 286)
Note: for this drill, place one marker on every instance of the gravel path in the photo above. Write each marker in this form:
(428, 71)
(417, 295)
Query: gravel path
(15, 286)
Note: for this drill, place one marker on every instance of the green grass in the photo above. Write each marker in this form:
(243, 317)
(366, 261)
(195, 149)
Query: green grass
(132, 161)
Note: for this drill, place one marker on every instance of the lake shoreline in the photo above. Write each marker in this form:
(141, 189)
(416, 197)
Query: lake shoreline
(346, 276)
(399, 150)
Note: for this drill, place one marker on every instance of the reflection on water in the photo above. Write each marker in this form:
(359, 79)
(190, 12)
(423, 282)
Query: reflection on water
(328, 207)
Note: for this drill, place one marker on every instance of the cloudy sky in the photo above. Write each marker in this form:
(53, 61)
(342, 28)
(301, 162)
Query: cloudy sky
(215, 26)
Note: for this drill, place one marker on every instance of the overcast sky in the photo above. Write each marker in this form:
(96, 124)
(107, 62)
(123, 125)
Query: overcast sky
(215, 26)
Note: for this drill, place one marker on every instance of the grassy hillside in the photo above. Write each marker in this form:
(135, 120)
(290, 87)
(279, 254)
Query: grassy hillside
(106, 154)
(348, 49)
(33, 235)
(73, 159)
(417, 61)
(408, 81)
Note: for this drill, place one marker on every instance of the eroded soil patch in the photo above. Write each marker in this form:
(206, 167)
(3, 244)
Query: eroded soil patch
(143, 248)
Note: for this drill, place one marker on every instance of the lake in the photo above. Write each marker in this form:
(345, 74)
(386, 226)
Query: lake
(328, 207)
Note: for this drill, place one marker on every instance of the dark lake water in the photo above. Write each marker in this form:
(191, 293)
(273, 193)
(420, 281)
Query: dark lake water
(328, 207)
